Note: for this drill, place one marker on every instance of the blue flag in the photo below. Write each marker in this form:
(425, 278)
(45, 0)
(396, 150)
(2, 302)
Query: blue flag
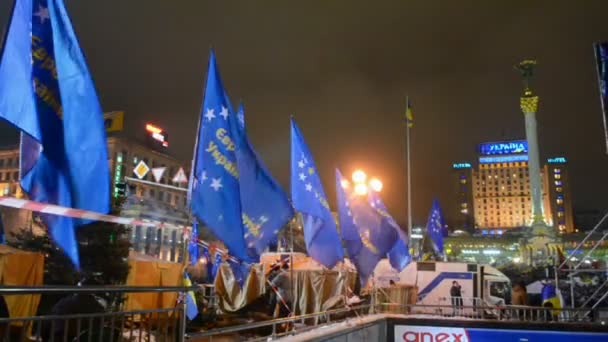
(2, 234)
(240, 270)
(193, 245)
(361, 255)
(320, 233)
(47, 92)
(435, 228)
(215, 194)
(266, 207)
(601, 58)
(375, 230)
(240, 116)
(216, 265)
(399, 254)
(208, 261)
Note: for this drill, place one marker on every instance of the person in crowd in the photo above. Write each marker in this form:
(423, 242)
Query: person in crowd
(282, 286)
(456, 294)
(520, 296)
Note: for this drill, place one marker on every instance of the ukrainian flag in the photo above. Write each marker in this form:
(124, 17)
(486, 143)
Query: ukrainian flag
(191, 308)
(409, 116)
(550, 295)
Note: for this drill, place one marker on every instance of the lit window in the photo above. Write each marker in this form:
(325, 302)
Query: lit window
(558, 183)
(557, 171)
(557, 176)
(559, 189)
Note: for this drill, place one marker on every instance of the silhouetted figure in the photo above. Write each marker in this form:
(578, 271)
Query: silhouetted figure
(456, 294)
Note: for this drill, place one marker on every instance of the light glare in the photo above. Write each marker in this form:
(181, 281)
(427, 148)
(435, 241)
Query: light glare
(359, 176)
(361, 189)
(375, 184)
(345, 184)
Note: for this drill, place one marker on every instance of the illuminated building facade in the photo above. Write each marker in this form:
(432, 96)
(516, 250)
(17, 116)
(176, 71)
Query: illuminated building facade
(501, 190)
(151, 195)
(9, 172)
(463, 172)
(557, 181)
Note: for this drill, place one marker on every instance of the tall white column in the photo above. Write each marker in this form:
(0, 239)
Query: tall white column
(529, 105)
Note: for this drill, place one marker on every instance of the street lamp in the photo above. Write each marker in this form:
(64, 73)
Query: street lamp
(359, 176)
(362, 186)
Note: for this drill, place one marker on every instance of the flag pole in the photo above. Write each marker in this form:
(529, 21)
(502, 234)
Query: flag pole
(409, 172)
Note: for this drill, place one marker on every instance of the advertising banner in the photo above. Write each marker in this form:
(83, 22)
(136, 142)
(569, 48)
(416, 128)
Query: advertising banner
(412, 333)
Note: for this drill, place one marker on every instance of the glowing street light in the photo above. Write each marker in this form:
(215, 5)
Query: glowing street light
(345, 184)
(361, 189)
(362, 186)
(359, 176)
(375, 184)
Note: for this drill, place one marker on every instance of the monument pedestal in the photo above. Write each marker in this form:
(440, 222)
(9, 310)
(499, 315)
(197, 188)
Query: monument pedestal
(537, 240)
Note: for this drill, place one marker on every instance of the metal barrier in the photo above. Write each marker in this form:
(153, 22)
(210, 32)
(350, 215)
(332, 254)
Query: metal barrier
(506, 313)
(288, 323)
(165, 324)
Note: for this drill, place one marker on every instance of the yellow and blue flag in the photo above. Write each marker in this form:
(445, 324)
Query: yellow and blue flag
(47, 92)
(409, 114)
(320, 231)
(364, 256)
(550, 295)
(191, 308)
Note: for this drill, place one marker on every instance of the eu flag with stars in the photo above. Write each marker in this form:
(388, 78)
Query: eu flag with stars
(436, 228)
(265, 206)
(399, 254)
(215, 194)
(364, 259)
(320, 232)
(375, 230)
(47, 92)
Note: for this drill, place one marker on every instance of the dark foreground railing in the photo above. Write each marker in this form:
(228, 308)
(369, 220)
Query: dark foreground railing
(75, 318)
(116, 323)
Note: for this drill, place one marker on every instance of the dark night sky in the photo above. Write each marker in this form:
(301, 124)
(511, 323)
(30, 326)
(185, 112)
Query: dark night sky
(343, 68)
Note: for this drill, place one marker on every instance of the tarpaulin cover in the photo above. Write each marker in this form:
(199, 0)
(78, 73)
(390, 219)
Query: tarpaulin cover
(315, 288)
(149, 271)
(21, 268)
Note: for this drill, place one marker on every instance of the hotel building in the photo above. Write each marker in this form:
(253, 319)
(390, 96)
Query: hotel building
(496, 194)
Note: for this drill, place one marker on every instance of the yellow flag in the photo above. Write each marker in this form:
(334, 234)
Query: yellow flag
(409, 116)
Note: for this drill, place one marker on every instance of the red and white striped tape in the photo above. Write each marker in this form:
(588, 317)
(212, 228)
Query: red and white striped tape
(77, 213)
(90, 215)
